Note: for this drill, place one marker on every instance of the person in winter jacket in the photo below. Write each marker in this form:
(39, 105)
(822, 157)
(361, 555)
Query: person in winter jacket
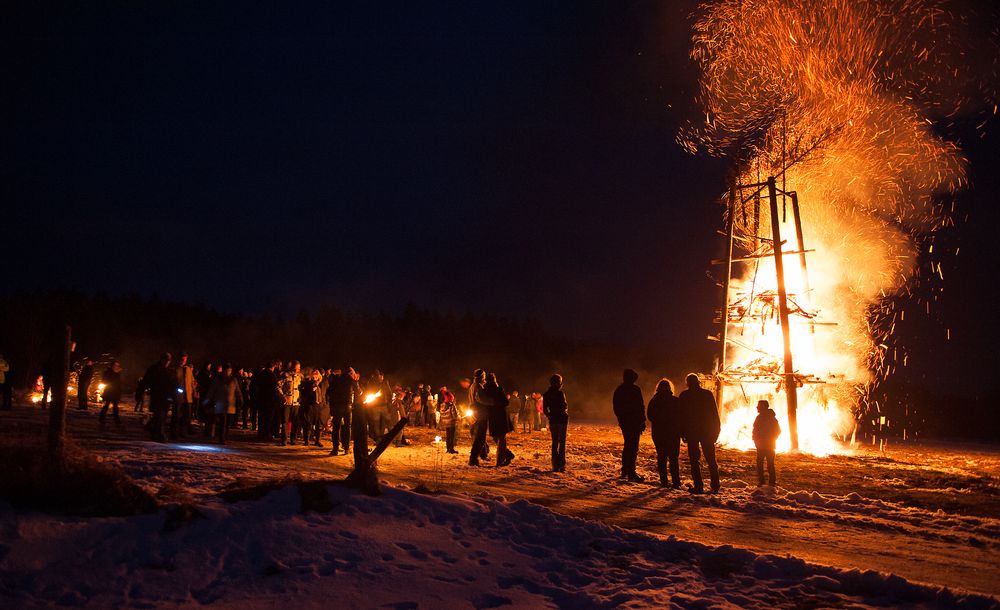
(557, 410)
(448, 409)
(378, 394)
(162, 385)
(315, 408)
(631, 413)
(112, 380)
(766, 431)
(664, 419)
(225, 397)
(480, 402)
(499, 423)
(289, 417)
(700, 427)
(342, 393)
(180, 415)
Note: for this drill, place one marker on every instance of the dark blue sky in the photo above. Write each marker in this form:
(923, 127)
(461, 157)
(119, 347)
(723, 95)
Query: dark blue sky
(514, 158)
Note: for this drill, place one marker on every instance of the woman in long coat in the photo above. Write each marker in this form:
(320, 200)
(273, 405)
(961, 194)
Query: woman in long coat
(499, 423)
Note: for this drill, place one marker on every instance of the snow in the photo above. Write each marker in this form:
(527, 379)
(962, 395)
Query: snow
(835, 533)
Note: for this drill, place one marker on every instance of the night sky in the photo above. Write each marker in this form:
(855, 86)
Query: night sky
(509, 158)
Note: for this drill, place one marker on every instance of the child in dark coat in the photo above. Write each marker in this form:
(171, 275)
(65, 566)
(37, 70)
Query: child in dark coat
(765, 436)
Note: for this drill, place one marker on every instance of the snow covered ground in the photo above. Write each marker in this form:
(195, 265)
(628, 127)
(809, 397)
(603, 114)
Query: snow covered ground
(520, 535)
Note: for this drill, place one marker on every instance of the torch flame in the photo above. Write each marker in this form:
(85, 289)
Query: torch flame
(371, 397)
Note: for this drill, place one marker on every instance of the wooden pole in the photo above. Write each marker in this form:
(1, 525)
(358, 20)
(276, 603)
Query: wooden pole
(730, 221)
(802, 254)
(791, 391)
(57, 414)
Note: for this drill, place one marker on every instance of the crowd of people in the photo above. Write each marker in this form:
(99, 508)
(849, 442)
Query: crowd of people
(286, 404)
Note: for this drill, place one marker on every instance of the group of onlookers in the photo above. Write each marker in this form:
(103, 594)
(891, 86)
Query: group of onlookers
(285, 404)
(692, 417)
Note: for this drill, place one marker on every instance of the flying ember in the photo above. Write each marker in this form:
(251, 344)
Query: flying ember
(828, 110)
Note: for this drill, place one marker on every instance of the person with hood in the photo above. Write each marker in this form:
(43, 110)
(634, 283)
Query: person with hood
(448, 409)
(630, 409)
(701, 427)
(112, 395)
(499, 423)
(224, 397)
(269, 400)
(315, 407)
(557, 410)
(663, 418)
(766, 431)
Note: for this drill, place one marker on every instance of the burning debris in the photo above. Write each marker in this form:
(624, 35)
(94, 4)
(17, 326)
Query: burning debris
(829, 111)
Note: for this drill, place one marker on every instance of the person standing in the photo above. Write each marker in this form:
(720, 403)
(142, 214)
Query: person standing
(557, 410)
(663, 418)
(377, 397)
(83, 384)
(225, 398)
(766, 431)
(701, 427)
(524, 413)
(180, 416)
(342, 391)
(448, 409)
(162, 385)
(112, 380)
(630, 410)
(269, 401)
(6, 393)
(204, 381)
(315, 407)
(499, 423)
(479, 403)
(288, 418)
(427, 416)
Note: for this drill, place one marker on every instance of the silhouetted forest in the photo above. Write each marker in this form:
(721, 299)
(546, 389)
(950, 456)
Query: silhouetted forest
(413, 346)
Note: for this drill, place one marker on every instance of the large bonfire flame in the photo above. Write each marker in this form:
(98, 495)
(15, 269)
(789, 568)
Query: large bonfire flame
(839, 100)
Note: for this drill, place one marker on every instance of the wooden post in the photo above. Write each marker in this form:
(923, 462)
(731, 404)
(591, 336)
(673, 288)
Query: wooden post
(791, 391)
(730, 221)
(57, 414)
(802, 254)
(364, 475)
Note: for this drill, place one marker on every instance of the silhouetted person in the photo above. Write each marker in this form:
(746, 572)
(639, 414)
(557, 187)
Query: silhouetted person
(162, 385)
(766, 431)
(479, 402)
(6, 393)
(378, 393)
(701, 428)
(83, 384)
(664, 420)
(269, 401)
(499, 423)
(225, 398)
(112, 395)
(631, 413)
(342, 392)
(557, 410)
